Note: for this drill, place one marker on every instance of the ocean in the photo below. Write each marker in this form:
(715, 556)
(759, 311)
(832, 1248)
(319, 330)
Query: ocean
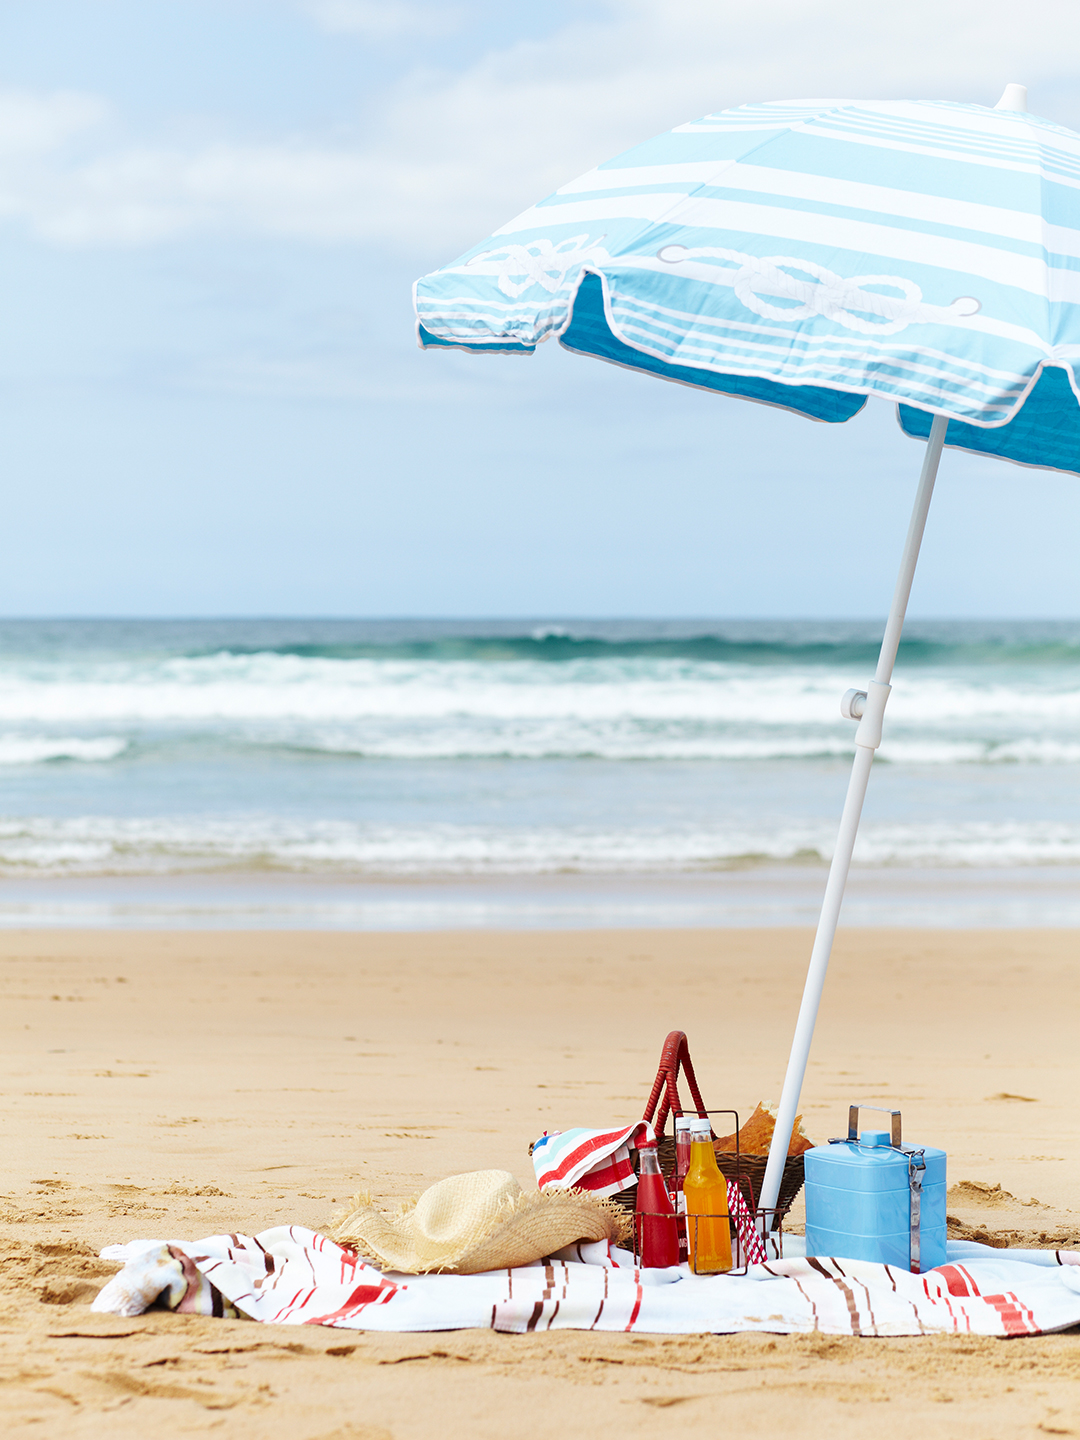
(405, 773)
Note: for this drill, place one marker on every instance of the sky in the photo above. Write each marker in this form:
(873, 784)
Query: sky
(211, 400)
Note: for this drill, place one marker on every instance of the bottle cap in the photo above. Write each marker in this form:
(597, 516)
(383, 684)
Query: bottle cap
(700, 1125)
(646, 1145)
(682, 1122)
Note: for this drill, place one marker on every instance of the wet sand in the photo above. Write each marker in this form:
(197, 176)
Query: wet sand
(184, 1084)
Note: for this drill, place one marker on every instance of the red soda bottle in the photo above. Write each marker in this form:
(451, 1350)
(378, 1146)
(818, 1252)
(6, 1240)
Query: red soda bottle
(656, 1233)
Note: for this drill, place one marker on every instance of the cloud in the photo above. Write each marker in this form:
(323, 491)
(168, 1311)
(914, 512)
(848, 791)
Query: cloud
(451, 155)
(32, 124)
(384, 19)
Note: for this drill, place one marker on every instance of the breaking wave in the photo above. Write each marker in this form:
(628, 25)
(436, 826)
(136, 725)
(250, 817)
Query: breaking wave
(40, 749)
(111, 846)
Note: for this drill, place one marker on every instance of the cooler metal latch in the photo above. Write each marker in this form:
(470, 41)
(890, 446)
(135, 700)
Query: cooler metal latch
(916, 1170)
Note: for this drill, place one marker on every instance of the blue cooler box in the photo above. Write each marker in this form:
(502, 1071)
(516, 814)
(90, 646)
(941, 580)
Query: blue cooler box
(860, 1193)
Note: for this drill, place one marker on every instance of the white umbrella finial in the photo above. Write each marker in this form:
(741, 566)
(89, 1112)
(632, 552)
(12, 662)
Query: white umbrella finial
(1014, 97)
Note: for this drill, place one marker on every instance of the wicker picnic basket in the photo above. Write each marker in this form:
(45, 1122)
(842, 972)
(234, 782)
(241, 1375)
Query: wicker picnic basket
(747, 1170)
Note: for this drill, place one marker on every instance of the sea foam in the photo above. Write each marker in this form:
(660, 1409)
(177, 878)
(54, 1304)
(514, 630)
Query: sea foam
(404, 748)
(115, 846)
(622, 708)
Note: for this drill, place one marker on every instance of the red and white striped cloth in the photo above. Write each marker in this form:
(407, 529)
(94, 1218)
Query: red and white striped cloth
(596, 1160)
(599, 1160)
(293, 1276)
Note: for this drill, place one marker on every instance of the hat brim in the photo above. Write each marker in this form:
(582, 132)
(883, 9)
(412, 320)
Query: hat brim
(527, 1229)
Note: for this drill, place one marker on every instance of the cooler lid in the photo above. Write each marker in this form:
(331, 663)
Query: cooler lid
(857, 1165)
(876, 1152)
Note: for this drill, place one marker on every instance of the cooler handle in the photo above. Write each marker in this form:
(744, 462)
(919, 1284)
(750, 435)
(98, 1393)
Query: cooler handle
(853, 1122)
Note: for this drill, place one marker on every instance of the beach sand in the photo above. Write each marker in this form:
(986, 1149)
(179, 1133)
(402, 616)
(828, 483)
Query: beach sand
(185, 1084)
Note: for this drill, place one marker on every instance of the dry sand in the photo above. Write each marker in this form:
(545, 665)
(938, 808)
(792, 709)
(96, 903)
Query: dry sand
(185, 1084)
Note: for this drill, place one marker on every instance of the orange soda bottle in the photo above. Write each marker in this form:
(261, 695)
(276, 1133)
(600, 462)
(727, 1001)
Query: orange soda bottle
(708, 1231)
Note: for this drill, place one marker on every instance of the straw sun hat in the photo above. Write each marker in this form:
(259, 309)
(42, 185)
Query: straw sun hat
(475, 1222)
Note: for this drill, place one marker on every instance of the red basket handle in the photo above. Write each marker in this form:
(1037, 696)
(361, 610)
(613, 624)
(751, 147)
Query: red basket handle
(665, 1090)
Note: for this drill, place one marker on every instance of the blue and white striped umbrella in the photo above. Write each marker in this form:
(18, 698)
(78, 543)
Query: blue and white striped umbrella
(808, 255)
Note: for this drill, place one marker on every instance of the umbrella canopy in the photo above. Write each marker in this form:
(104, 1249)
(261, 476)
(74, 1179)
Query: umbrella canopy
(808, 255)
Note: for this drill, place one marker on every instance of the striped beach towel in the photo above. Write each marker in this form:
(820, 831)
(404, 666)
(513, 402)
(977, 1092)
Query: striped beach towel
(294, 1276)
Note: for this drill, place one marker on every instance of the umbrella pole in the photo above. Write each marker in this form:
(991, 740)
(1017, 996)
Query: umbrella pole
(867, 740)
